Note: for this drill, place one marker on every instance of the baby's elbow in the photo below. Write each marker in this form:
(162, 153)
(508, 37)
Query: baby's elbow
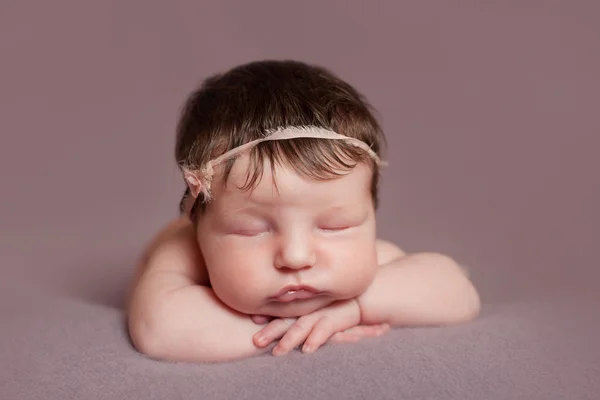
(151, 331)
(463, 303)
(470, 307)
(468, 301)
(157, 337)
(148, 337)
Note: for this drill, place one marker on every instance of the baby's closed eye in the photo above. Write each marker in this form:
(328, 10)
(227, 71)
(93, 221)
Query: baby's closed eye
(341, 221)
(249, 228)
(335, 227)
(246, 226)
(340, 225)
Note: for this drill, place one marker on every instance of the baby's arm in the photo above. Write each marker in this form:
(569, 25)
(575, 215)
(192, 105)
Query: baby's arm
(172, 316)
(419, 289)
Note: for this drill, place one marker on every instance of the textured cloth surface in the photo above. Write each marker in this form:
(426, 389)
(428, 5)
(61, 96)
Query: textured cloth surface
(60, 347)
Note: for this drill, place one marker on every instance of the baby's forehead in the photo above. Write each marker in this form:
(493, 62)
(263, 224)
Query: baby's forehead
(283, 184)
(284, 175)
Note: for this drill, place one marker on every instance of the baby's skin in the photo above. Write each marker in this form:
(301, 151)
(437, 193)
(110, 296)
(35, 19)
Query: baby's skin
(294, 262)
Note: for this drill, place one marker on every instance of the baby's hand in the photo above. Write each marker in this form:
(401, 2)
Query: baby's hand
(359, 332)
(329, 323)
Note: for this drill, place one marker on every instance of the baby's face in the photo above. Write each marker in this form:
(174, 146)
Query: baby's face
(290, 249)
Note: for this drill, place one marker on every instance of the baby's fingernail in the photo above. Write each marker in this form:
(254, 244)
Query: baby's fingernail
(308, 348)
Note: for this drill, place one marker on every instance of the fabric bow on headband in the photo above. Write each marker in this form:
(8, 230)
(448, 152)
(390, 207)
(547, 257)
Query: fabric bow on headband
(201, 180)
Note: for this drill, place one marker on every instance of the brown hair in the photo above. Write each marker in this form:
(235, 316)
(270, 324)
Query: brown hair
(238, 106)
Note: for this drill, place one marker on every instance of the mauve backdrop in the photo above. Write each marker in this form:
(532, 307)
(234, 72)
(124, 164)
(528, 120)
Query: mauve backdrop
(490, 110)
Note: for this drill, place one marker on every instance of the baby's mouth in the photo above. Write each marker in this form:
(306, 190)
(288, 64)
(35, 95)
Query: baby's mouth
(292, 293)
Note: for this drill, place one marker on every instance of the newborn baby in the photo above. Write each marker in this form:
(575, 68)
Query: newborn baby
(276, 244)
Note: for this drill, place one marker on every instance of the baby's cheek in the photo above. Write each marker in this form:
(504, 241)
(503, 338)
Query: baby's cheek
(236, 282)
(235, 293)
(356, 272)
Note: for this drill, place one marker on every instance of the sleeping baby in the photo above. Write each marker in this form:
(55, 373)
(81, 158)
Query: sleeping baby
(275, 247)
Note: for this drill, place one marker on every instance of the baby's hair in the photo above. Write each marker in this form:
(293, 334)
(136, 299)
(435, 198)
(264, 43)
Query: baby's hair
(242, 104)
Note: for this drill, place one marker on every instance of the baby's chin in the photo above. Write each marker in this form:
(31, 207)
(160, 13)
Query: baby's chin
(290, 309)
(295, 308)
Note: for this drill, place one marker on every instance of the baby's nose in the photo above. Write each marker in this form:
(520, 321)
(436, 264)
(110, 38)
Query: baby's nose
(295, 254)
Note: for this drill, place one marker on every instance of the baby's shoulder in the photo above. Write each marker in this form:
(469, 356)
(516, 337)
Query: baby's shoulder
(174, 249)
(387, 251)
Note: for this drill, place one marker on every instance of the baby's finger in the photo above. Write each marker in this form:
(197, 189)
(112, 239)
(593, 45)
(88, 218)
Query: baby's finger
(370, 330)
(383, 328)
(295, 335)
(321, 332)
(359, 332)
(261, 319)
(378, 330)
(273, 331)
(344, 337)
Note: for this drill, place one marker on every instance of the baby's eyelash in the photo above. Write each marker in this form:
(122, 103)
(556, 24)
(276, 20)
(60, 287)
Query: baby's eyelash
(335, 228)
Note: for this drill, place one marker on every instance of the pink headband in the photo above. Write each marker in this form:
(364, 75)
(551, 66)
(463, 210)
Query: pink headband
(200, 180)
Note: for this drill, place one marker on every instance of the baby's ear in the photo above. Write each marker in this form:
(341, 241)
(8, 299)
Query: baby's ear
(193, 182)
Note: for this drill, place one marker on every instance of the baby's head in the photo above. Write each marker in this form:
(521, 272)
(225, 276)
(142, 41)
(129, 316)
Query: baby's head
(293, 211)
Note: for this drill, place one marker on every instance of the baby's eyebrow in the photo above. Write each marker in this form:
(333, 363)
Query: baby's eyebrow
(346, 208)
(236, 210)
